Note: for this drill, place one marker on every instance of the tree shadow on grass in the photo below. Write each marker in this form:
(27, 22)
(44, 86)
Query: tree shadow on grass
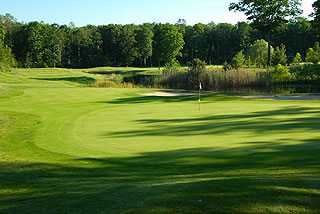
(282, 120)
(128, 72)
(142, 99)
(196, 180)
(178, 181)
(80, 80)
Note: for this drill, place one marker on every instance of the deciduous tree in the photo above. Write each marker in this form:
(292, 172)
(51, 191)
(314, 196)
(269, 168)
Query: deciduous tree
(258, 53)
(316, 16)
(6, 57)
(168, 42)
(266, 15)
(144, 43)
(127, 45)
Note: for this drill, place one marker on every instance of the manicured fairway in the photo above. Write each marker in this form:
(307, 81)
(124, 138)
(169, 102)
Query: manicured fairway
(65, 148)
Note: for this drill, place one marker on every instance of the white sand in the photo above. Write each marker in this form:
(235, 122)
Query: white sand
(15, 72)
(271, 97)
(296, 97)
(169, 94)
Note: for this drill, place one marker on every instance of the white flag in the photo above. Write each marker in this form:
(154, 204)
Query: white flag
(200, 87)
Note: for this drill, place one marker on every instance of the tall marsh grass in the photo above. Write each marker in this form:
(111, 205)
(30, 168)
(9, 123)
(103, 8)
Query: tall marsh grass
(214, 79)
(111, 84)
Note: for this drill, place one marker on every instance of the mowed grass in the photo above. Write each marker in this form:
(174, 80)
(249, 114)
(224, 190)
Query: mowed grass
(66, 148)
(53, 77)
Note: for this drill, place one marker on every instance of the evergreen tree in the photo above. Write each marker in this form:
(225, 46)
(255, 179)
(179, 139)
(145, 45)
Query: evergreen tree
(297, 59)
(279, 56)
(239, 60)
(313, 54)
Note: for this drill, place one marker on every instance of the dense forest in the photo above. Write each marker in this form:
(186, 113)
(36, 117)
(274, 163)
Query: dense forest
(37, 44)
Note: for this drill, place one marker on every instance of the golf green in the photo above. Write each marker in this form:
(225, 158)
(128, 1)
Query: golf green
(71, 149)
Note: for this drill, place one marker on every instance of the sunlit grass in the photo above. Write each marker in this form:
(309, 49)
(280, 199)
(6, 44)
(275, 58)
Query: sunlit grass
(74, 149)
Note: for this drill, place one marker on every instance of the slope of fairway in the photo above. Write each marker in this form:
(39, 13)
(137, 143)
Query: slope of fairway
(68, 149)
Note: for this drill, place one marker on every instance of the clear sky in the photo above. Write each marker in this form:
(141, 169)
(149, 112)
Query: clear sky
(102, 12)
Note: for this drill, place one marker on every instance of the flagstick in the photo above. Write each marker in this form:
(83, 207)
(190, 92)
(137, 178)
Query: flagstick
(200, 87)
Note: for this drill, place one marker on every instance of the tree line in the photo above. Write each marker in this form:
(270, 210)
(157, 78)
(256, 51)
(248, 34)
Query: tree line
(37, 44)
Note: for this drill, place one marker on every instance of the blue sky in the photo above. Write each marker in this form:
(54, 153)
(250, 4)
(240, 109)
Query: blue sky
(101, 12)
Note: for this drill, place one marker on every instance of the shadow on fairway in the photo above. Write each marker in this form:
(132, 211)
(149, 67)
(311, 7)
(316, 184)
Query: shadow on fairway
(196, 180)
(283, 120)
(179, 181)
(128, 72)
(148, 99)
(81, 80)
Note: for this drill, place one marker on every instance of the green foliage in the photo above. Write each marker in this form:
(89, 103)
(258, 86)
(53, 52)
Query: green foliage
(127, 45)
(35, 40)
(248, 61)
(196, 39)
(198, 64)
(316, 16)
(171, 66)
(168, 42)
(195, 70)
(297, 59)
(239, 60)
(316, 47)
(258, 52)
(266, 15)
(227, 66)
(6, 58)
(279, 56)
(313, 54)
(144, 43)
(223, 49)
(309, 72)
(117, 78)
(42, 45)
(281, 73)
(111, 36)
(2, 32)
(298, 35)
(181, 24)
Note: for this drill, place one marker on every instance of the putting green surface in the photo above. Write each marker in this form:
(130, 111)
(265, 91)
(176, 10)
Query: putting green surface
(69, 149)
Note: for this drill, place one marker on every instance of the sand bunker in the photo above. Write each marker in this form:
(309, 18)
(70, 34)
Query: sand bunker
(296, 97)
(271, 97)
(169, 94)
(15, 72)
